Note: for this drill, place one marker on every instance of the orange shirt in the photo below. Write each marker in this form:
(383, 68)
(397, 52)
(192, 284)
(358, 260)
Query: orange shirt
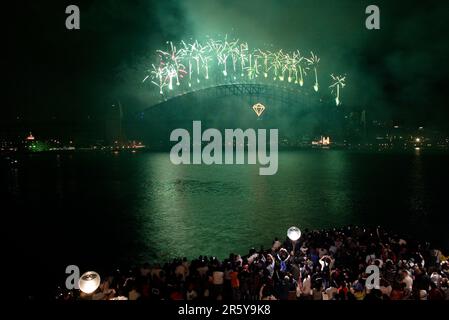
(235, 283)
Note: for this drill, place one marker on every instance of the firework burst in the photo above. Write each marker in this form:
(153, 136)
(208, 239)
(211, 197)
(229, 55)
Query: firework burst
(213, 60)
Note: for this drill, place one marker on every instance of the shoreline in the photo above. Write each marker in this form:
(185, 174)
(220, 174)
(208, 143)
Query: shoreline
(281, 149)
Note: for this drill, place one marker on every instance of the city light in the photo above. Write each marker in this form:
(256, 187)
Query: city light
(324, 141)
(30, 137)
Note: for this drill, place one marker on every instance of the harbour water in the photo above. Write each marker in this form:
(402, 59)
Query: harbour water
(99, 210)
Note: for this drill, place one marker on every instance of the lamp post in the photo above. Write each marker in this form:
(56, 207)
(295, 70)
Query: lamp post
(293, 233)
(89, 282)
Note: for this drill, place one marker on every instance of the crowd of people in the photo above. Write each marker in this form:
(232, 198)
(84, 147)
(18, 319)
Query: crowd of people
(321, 265)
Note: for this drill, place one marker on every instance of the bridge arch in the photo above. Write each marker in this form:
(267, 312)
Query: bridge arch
(251, 93)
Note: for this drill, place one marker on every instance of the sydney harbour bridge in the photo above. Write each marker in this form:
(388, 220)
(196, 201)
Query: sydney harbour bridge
(249, 93)
(231, 64)
(221, 79)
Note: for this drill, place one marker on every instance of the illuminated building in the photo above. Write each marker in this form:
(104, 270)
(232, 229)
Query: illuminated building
(30, 137)
(323, 142)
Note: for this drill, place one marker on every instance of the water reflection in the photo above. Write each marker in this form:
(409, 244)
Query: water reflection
(216, 209)
(141, 207)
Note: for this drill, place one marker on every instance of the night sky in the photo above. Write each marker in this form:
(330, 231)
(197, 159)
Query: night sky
(399, 72)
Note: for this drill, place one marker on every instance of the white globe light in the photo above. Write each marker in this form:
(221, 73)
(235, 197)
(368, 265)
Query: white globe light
(293, 233)
(89, 282)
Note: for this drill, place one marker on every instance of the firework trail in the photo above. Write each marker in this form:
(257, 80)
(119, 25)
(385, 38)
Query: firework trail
(313, 62)
(336, 86)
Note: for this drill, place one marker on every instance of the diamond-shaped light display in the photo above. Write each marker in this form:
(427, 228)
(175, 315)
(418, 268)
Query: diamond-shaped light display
(258, 109)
